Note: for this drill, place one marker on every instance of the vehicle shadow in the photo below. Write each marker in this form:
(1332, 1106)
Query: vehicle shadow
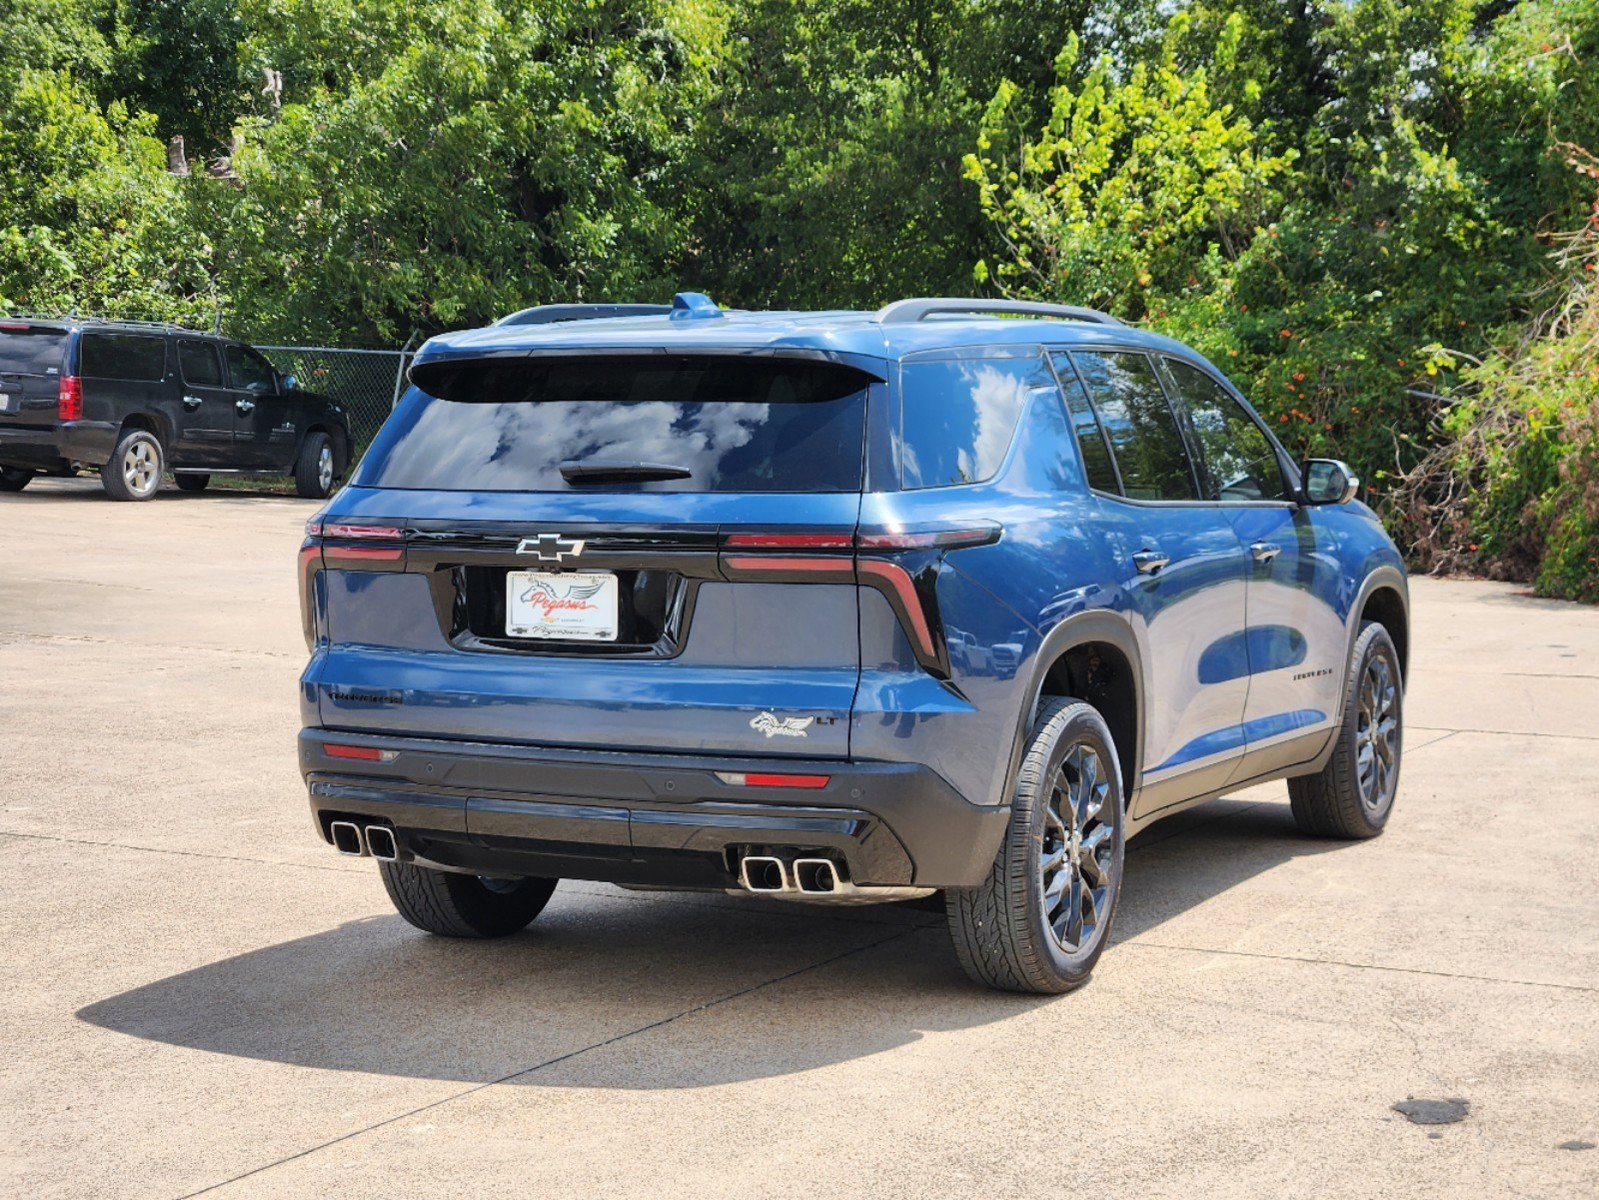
(756, 990)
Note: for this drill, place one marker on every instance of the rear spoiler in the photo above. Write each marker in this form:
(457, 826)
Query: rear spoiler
(475, 375)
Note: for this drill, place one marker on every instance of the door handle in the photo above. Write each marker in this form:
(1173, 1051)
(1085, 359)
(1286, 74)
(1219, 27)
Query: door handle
(192, 402)
(245, 406)
(1264, 552)
(1149, 562)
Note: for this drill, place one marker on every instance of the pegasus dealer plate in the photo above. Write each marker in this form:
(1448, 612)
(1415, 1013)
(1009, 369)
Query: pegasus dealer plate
(569, 605)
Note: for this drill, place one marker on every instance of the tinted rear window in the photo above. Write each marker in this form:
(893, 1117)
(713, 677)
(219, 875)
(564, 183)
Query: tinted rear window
(34, 352)
(133, 356)
(738, 425)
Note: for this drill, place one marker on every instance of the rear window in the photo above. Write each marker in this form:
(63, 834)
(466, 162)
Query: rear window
(960, 415)
(735, 425)
(32, 351)
(132, 356)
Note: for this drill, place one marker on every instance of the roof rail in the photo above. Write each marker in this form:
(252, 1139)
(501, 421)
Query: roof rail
(908, 312)
(81, 319)
(549, 314)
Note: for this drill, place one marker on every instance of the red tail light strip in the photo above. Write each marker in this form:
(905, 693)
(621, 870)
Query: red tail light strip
(778, 565)
(364, 533)
(335, 555)
(792, 541)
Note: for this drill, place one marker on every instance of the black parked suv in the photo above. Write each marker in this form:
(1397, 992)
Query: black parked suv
(133, 399)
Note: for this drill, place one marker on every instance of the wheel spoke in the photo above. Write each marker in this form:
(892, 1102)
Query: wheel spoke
(1074, 916)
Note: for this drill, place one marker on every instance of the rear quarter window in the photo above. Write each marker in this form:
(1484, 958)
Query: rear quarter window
(136, 357)
(736, 425)
(958, 416)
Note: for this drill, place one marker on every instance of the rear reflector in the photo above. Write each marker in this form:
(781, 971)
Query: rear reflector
(362, 753)
(772, 779)
(69, 398)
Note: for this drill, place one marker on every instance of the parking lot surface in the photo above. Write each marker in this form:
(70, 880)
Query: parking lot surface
(199, 996)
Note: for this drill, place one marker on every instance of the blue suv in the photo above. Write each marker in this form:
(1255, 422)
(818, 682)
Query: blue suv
(955, 597)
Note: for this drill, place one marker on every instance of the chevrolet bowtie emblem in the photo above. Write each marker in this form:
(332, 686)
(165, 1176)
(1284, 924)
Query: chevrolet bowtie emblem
(551, 547)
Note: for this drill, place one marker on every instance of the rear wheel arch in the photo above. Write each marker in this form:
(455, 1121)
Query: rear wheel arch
(151, 423)
(1093, 658)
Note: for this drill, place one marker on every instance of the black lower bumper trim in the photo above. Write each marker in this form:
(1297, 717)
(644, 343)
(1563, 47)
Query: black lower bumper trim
(648, 818)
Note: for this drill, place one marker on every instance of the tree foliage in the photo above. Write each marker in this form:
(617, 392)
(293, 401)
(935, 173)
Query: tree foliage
(1347, 204)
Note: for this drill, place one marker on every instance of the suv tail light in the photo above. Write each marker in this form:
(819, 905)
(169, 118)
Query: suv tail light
(894, 561)
(348, 547)
(69, 399)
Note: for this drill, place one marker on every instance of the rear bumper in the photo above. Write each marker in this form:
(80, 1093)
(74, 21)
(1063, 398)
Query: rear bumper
(47, 446)
(657, 819)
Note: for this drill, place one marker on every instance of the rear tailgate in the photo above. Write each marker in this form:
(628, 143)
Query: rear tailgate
(606, 615)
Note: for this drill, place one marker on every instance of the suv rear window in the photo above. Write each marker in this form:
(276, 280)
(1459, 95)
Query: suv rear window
(32, 351)
(131, 356)
(737, 425)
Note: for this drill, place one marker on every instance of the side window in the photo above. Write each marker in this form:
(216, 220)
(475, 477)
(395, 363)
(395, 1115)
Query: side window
(128, 356)
(1132, 406)
(959, 415)
(200, 363)
(1090, 434)
(250, 371)
(1236, 457)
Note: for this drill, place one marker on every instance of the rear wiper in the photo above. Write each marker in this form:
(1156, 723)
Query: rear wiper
(595, 470)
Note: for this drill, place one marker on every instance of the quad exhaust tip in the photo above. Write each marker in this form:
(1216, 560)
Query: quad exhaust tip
(763, 873)
(346, 837)
(816, 876)
(380, 841)
(815, 879)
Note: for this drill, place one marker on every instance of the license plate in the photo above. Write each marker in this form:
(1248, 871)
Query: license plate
(8, 403)
(570, 605)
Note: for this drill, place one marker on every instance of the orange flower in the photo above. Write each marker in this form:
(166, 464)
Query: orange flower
(1288, 333)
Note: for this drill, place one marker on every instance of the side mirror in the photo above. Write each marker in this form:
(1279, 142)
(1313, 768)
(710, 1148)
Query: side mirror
(290, 384)
(1328, 481)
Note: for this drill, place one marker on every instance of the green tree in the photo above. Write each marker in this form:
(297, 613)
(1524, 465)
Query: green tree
(1130, 185)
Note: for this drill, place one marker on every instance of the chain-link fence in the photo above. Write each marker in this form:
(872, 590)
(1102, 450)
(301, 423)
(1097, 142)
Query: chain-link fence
(365, 382)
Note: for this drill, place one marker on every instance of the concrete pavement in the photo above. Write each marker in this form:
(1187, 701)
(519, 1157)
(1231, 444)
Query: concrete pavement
(201, 997)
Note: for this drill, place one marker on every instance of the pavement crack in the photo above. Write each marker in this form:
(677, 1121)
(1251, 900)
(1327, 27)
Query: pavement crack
(522, 1073)
(239, 858)
(1356, 966)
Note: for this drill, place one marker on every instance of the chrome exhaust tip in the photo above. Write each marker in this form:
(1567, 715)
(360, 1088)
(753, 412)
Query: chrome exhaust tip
(380, 841)
(346, 837)
(816, 876)
(763, 873)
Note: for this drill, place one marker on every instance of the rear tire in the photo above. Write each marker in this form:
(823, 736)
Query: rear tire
(14, 479)
(134, 472)
(192, 483)
(1041, 920)
(1353, 795)
(463, 906)
(316, 470)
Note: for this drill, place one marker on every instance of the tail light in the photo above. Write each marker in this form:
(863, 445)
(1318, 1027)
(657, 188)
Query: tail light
(895, 561)
(344, 546)
(69, 398)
